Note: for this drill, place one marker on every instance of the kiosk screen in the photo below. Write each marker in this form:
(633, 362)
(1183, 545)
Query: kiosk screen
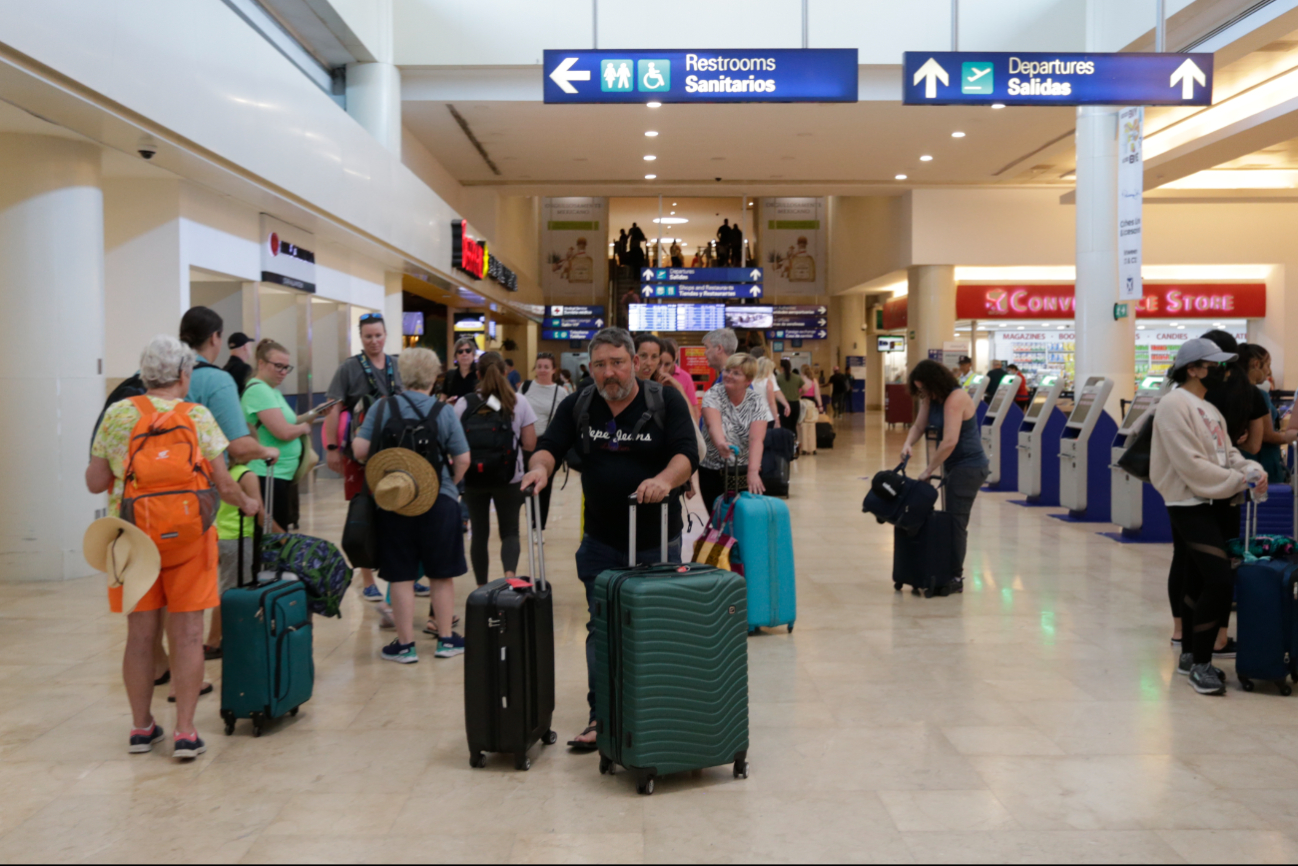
(1004, 393)
(1082, 409)
(1139, 407)
(971, 387)
(1038, 403)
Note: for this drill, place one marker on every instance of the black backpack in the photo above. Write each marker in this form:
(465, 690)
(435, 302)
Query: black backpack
(133, 386)
(493, 448)
(418, 434)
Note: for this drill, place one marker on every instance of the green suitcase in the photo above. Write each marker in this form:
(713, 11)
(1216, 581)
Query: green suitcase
(671, 668)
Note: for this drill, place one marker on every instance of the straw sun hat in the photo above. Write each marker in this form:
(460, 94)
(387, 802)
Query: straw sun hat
(403, 482)
(127, 553)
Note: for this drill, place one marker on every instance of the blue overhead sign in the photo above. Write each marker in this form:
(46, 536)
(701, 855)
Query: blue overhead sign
(708, 75)
(798, 334)
(567, 335)
(568, 311)
(700, 275)
(580, 324)
(713, 291)
(1043, 78)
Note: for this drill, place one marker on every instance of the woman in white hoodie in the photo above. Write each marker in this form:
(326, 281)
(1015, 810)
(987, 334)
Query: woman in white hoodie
(1192, 463)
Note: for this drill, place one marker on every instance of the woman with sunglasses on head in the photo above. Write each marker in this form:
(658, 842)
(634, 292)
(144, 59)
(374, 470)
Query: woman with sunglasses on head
(277, 425)
(462, 380)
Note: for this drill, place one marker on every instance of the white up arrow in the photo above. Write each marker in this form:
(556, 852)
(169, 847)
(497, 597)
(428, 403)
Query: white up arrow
(564, 73)
(932, 72)
(599, 323)
(755, 291)
(1187, 74)
(755, 274)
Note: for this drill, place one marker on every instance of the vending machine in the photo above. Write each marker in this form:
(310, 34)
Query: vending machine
(999, 434)
(1138, 508)
(1039, 444)
(1084, 479)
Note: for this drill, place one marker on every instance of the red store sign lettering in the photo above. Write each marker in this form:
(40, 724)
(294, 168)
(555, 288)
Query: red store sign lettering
(1184, 300)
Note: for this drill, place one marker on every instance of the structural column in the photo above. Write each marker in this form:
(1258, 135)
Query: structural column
(1105, 347)
(374, 89)
(930, 310)
(393, 307)
(52, 296)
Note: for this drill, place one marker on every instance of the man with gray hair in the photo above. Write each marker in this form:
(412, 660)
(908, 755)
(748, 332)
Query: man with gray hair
(635, 437)
(719, 345)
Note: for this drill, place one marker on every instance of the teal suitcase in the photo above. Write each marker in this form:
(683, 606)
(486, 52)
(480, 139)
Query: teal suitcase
(267, 662)
(671, 668)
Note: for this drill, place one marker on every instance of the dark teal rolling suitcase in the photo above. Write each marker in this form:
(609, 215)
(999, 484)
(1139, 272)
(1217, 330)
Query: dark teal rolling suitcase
(267, 663)
(671, 668)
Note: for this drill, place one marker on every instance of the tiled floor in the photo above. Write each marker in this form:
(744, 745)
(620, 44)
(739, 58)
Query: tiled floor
(1036, 718)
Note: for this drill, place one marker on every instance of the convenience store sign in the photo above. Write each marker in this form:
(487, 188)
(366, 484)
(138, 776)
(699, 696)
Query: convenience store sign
(1186, 300)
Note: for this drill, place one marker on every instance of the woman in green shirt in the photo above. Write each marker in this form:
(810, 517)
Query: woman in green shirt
(276, 424)
(789, 383)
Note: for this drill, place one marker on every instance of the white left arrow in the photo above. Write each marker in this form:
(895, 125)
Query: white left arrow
(933, 73)
(1186, 75)
(564, 73)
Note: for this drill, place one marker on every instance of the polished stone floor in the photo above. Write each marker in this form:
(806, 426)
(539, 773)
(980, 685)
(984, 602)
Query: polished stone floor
(1036, 718)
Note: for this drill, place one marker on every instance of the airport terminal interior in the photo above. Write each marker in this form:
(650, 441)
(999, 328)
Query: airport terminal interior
(896, 203)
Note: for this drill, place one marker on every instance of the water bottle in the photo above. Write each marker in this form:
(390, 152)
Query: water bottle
(1253, 476)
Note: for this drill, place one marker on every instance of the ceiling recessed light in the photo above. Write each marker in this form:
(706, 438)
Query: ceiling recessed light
(650, 176)
(649, 157)
(998, 105)
(673, 213)
(670, 221)
(926, 158)
(900, 177)
(957, 135)
(653, 105)
(673, 204)
(750, 204)
(651, 134)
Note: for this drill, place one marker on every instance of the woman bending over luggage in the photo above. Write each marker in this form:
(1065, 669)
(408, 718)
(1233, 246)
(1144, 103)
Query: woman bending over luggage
(736, 417)
(418, 517)
(945, 408)
(1192, 463)
(499, 427)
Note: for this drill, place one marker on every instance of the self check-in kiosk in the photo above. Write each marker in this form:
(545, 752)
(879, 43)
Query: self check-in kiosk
(1084, 479)
(1138, 508)
(1038, 444)
(976, 388)
(999, 432)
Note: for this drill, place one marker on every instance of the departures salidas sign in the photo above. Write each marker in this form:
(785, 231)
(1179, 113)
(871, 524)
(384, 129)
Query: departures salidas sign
(703, 75)
(1041, 78)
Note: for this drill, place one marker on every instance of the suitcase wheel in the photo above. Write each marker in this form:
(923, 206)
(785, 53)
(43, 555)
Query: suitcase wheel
(897, 586)
(645, 786)
(605, 765)
(258, 720)
(551, 738)
(790, 628)
(477, 760)
(741, 769)
(1285, 688)
(229, 721)
(522, 762)
(293, 712)
(1246, 683)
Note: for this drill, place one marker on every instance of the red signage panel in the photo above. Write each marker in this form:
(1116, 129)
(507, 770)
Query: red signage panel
(895, 314)
(1161, 301)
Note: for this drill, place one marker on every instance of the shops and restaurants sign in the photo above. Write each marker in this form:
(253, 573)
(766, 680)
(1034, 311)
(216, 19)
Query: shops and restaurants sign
(473, 257)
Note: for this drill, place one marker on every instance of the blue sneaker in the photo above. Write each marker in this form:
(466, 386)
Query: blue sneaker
(422, 590)
(450, 647)
(189, 746)
(142, 739)
(401, 653)
(372, 593)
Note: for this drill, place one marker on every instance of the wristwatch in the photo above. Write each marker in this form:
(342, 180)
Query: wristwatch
(331, 447)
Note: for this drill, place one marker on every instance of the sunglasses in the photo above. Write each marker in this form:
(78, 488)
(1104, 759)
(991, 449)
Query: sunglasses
(370, 318)
(464, 352)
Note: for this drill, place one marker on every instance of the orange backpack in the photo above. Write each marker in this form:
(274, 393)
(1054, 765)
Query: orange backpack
(167, 488)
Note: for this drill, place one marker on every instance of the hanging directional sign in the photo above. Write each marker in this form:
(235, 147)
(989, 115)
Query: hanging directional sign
(719, 75)
(798, 334)
(576, 334)
(580, 324)
(558, 311)
(1042, 78)
(800, 322)
(700, 275)
(795, 310)
(715, 291)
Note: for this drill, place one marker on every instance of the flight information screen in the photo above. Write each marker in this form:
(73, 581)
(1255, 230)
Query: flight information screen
(700, 317)
(652, 317)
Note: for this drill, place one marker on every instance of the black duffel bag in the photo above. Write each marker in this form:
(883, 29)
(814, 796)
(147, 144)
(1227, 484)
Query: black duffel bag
(1135, 460)
(898, 499)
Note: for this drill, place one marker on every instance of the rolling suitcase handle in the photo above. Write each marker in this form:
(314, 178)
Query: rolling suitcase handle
(535, 541)
(631, 547)
(256, 552)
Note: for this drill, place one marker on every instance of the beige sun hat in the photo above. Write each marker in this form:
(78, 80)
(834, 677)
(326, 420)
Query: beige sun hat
(307, 461)
(402, 481)
(127, 553)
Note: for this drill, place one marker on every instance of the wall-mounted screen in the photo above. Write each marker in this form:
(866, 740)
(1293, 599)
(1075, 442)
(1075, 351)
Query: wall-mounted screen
(412, 324)
(750, 317)
(651, 317)
(892, 344)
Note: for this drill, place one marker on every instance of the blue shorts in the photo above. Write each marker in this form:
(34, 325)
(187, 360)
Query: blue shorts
(434, 539)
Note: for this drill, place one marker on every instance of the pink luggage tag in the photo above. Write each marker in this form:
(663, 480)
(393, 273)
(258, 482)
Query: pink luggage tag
(518, 583)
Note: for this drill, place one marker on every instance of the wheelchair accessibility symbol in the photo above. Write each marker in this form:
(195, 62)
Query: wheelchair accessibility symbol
(653, 76)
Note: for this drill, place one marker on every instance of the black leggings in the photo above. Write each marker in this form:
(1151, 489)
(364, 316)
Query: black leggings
(508, 499)
(712, 484)
(1201, 570)
(1227, 517)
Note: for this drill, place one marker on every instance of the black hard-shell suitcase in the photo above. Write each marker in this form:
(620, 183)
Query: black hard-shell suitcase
(509, 660)
(778, 453)
(825, 435)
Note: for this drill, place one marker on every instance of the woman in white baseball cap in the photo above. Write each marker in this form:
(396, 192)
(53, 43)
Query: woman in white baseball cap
(1192, 463)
